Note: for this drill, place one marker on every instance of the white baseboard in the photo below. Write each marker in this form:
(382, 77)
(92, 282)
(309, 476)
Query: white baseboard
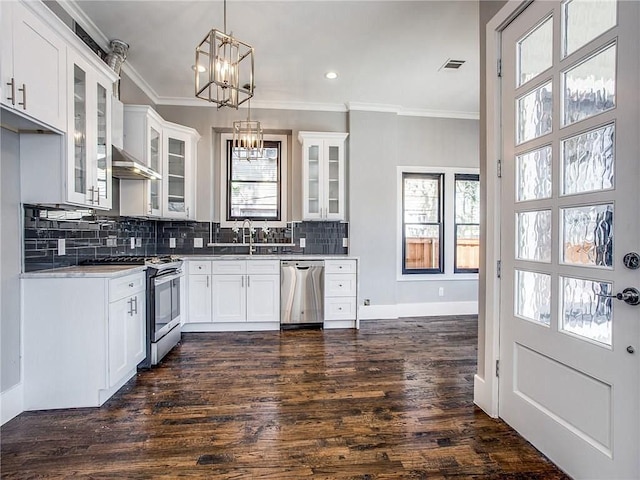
(431, 309)
(482, 396)
(11, 403)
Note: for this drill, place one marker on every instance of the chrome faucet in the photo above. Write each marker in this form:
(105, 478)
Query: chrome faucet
(244, 235)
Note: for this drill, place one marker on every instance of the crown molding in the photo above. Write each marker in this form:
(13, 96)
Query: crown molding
(256, 104)
(411, 112)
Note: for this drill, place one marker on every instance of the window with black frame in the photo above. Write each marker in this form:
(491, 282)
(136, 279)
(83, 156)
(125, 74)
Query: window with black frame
(422, 223)
(254, 187)
(467, 223)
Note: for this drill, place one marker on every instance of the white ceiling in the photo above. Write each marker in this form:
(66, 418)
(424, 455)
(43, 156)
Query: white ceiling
(388, 54)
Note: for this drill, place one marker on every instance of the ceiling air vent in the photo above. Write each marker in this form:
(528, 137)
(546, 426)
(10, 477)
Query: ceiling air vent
(452, 64)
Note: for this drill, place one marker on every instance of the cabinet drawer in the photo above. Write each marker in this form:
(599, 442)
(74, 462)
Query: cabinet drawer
(340, 308)
(199, 267)
(123, 286)
(229, 267)
(340, 266)
(340, 285)
(263, 267)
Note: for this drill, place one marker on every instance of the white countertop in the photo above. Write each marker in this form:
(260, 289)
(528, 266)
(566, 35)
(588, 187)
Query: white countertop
(284, 256)
(90, 271)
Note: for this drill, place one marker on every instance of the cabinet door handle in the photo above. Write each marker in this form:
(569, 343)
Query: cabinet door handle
(187, 212)
(24, 96)
(248, 281)
(150, 209)
(242, 281)
(130, 303)
(135, 301)
(12, 84)
(207, 281)
(96, 194)
(90, 199)
(131, 284)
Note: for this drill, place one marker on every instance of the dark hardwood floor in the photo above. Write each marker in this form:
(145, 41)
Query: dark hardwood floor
(393, 400)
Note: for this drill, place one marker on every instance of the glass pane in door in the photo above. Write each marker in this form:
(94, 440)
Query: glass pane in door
(587, 161)
(535, 51)
(334, 179)
(587, 309)
(584, 20)
(313, 186)
(533, 296)
(533, 236)
(154, 163)
(590, 86)
(533, 174)
(587, 235)
(101, 142)
(534, 114)
(176, 176)
(80, 129)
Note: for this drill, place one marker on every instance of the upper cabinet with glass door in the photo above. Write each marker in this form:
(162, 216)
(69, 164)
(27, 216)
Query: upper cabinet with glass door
(323, 183)
(143, 140)
(89, 138)
(178, 184)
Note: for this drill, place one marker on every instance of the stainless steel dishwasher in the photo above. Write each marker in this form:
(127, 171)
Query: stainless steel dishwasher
(301, 293)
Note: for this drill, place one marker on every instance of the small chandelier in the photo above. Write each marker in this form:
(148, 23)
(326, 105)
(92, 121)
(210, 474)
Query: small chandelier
(224, 68)
(247, 139)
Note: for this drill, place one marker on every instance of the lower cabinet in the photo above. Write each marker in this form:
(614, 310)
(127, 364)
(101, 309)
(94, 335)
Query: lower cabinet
(340, 294)
(83, 338)
(224, 292)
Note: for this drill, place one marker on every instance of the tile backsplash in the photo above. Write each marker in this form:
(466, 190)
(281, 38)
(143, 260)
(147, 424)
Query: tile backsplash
(89, 236)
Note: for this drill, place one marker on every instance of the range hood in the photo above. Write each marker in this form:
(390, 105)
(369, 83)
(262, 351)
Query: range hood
(123, 165)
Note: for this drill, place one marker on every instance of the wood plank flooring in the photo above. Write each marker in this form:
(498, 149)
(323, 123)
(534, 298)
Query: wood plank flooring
(393, 400)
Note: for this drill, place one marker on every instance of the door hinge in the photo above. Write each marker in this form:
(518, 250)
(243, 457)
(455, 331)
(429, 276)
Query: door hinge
(499, 268)
(498, 368)
(499, 167)
(499, 68)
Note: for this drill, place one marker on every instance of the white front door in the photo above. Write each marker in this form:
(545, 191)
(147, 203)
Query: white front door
(569, 351)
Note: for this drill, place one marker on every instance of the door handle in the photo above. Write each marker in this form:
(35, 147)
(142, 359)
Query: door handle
(135, 302)
(24, 96)
(629, 295)
(12, 84)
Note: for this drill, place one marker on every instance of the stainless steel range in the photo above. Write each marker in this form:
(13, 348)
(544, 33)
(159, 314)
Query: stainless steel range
(164, 284)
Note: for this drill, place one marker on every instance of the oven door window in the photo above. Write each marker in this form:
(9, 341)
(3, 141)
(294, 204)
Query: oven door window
(175, 298)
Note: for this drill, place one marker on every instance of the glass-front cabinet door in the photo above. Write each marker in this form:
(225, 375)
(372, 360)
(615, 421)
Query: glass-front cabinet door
(155, 162)
(178, 172)
(323, 190)
(89, 136)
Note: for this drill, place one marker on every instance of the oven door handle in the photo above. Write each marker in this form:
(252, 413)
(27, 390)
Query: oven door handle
(162, 279)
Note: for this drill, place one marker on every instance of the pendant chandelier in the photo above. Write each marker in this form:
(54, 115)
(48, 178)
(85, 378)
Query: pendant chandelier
(247, 139)
(224, 68)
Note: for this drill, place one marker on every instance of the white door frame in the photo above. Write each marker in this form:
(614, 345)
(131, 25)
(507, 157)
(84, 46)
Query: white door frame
(485, 391)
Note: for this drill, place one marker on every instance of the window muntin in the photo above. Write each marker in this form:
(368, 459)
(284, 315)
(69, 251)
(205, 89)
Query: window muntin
(254, 187)
(422, 223)
(467, 224)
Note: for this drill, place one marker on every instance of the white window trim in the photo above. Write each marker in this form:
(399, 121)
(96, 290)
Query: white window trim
(284, 184)
(448, 220)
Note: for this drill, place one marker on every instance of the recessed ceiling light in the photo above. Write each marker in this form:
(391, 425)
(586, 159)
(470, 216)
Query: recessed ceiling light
(200, 68)
(331, 75)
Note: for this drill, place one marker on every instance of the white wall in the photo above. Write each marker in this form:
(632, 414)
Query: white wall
(379, 143)
(10, 259)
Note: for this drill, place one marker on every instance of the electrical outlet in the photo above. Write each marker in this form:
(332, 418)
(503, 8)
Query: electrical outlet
(138, 242)
(197, 243)
(62, 249)
(112, 242)
(367, 302)
(441, 292)
(345, 242)
(303, 242)
(172, 243)
(133, 242)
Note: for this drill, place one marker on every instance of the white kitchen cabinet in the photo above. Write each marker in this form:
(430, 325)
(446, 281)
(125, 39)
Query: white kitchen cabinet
(33, 64)
(168, 149)
(323, 177)
(127, 328)
(178, 180)
(340, 294)
(74, 169)
(250, 293)
(83, 337)
(89, 134)
(142, 133)
(199, 292)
